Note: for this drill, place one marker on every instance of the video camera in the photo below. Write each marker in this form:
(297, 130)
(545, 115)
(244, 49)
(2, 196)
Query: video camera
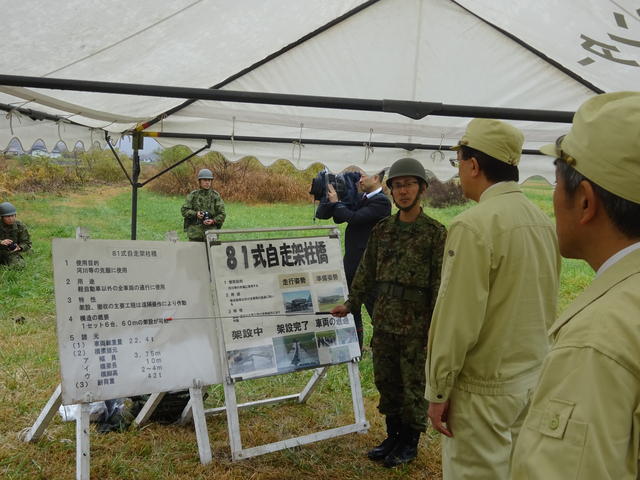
(206, 216)
(11, 247)
(345, 184)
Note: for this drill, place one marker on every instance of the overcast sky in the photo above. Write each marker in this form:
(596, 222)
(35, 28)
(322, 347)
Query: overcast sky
(150, 146)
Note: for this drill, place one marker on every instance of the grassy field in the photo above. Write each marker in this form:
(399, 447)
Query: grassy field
(29, 368)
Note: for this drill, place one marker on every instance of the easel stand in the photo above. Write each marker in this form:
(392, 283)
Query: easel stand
(194, 410)
(232, 408)
(83, 455)
(233, 421)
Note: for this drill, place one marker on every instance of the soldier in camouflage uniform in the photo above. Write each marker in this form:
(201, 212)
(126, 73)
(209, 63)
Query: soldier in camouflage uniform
(14, 237)
(402, 264)
(203, 209)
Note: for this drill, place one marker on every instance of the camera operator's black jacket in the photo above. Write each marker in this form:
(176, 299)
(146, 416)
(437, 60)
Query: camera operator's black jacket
(361, 220)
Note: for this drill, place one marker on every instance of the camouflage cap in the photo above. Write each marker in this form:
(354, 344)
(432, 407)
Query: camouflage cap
(495, 138)
(604, 143)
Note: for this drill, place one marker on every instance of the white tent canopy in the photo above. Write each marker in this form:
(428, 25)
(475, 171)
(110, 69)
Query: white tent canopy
(546, 55)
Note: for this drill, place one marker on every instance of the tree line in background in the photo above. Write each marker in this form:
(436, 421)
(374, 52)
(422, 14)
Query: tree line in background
(246, 180)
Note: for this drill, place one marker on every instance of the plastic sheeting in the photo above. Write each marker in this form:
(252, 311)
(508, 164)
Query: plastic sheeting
(549, 55)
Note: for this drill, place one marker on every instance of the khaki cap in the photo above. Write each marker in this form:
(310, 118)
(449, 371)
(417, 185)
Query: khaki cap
(495, 138)
(604, 143)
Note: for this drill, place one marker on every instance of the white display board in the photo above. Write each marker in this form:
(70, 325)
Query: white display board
(133, 317)
(274, 297)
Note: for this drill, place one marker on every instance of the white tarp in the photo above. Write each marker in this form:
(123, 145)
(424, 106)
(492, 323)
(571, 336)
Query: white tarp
(548, 55)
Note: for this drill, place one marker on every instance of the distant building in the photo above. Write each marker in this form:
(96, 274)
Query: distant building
(13, 149)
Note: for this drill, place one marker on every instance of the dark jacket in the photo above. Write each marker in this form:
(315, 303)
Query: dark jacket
(368, 212)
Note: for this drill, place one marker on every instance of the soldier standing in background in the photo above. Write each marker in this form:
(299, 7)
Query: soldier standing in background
(14, 237)
(203, 209)
(498, 297)
(402, 265)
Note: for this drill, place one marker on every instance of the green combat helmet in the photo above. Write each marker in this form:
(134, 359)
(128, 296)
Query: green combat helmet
(406, 167)
(205, 174)
(7, 209)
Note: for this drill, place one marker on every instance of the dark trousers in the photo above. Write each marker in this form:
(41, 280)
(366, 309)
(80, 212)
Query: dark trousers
(357, 314)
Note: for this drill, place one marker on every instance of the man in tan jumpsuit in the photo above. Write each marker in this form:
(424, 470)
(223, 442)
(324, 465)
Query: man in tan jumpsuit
(497, 299)
(584, 420)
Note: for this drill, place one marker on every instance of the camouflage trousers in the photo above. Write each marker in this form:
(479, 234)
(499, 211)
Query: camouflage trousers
(196, 233)
(13, 260)
(398, 370)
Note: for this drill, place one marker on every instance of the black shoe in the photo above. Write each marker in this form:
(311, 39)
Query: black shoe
(405, 450)
(394, 426)
(381, 451)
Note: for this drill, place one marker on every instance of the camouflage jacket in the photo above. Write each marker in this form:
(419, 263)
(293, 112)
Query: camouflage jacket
(408, 257)
(202, 200)
(18, 233)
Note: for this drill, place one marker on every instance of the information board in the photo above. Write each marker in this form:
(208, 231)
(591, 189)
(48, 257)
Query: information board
(133, 317)
(274, 297)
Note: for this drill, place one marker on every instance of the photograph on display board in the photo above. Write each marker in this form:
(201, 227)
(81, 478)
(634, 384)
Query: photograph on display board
(251, 360)
(326, 339)
(327, 342)
(295, 352)
(298, 301)
(347, 336)
(340, 354)
(330, 297)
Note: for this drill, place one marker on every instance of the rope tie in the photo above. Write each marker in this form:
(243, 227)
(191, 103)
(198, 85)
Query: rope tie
(368, 149)
(233, 134)
(9, 116)
(297, 143)
(438, 153)
(58, 124)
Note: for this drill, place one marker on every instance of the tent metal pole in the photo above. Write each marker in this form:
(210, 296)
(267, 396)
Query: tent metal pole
(411, 109)
(137, 144)
(207, 146)
(115, 154)
(307, 141)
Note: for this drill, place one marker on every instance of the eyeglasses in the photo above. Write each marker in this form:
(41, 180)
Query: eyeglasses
(455, 163)
(400, 186)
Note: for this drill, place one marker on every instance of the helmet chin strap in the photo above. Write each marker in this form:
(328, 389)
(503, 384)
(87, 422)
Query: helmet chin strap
(413, 204)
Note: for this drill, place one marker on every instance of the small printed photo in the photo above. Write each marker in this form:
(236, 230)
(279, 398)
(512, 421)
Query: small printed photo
(298, 301)
(295, 352)
(341, 354)
(249, 360)
(330, 297)
(326, 339)
(346, 335)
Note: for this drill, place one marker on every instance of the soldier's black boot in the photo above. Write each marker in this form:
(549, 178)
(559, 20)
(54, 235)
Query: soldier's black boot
(406, 448)
(394, 425)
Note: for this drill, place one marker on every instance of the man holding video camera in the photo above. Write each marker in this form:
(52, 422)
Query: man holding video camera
(371, 207)
(203, 209)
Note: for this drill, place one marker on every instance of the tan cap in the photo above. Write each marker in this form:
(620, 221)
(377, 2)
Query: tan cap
(495, 138)
(604, 143)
